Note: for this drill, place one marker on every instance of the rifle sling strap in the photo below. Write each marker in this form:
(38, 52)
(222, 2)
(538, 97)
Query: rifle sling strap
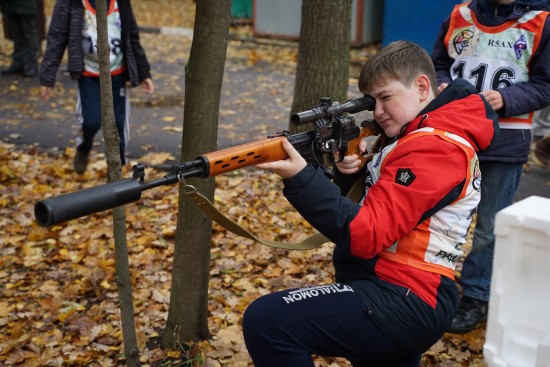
(313, 241)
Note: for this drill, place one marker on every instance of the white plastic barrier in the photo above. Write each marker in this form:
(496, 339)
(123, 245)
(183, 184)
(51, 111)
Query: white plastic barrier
(518, 326)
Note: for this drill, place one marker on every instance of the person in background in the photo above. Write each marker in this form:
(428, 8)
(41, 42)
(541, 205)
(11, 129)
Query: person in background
(21, 21)
(73, 27)
(395, 251)
(503, 49)
(540, 151)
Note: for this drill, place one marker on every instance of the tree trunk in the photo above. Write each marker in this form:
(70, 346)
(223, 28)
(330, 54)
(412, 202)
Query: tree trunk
(188, 311)
(112, 144)
(323, 55)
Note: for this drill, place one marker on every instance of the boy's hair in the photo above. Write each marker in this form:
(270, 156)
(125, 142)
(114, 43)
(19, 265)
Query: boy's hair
(401, 61)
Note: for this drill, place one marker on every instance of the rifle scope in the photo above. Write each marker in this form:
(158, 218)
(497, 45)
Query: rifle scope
(328, 109)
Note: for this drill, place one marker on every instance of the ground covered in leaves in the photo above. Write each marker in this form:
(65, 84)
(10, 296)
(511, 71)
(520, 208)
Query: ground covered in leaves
(59, 304)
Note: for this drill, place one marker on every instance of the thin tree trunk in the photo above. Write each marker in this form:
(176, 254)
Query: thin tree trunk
(323, 55)
(188, 311)
(112, 144)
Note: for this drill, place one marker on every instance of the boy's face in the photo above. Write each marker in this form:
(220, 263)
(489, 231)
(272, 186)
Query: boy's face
(397, 104)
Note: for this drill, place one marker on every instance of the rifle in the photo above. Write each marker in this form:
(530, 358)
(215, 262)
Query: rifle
(333, 132)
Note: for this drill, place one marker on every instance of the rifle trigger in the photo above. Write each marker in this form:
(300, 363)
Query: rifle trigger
(341, 155)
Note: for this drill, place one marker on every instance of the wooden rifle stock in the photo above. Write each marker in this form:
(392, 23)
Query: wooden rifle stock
(244, 155)
(271, 149)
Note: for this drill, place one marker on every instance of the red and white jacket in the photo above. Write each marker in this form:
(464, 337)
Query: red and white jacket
(435, 243)
(422, 192)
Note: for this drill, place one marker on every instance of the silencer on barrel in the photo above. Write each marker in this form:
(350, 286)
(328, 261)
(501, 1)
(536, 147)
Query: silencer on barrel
(77, 204)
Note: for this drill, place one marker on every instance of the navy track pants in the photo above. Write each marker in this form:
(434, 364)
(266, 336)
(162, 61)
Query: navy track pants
(286, 328)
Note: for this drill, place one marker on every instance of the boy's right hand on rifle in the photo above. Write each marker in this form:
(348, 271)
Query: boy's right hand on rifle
(351, 163)
(286, 168)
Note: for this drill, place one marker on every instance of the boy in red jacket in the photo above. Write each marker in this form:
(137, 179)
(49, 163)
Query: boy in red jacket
(395, 253)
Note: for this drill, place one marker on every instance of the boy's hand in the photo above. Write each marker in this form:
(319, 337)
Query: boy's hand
(45, 92)
(442, 87)
(148, 86)
(494, 98)
(289, 167)
(351, 163)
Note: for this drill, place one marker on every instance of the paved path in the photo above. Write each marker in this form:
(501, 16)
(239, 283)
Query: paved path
(534, 182)
(255, 103)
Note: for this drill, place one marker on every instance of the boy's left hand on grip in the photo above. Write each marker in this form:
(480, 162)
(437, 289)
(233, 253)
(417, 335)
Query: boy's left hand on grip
(357, 149)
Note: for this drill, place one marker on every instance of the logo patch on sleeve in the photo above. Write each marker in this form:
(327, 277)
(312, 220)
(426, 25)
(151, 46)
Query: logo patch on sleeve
(404, 176)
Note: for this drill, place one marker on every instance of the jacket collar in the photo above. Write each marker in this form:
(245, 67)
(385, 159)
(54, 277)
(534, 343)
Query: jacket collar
(492, 13)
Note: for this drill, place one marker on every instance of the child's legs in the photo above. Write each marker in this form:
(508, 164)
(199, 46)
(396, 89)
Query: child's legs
(90, 104)
(18, 37)
(499, 182)
(31, 43)
(282, 332)
(90, 109)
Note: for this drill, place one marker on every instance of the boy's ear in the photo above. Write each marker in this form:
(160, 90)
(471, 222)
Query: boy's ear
(423, 86)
